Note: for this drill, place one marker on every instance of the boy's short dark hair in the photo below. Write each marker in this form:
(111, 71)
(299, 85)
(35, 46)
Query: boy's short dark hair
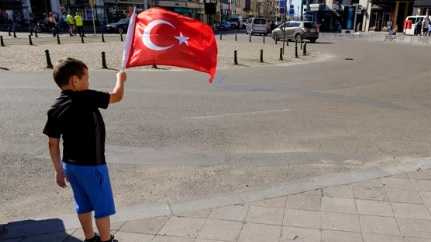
(65, 68)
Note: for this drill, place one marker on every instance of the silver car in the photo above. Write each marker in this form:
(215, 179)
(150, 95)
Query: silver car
(296, 30)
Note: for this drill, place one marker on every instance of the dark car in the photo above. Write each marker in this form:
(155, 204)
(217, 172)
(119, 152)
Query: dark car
(119, 26)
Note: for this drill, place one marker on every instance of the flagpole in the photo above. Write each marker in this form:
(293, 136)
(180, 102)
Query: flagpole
(129, 39)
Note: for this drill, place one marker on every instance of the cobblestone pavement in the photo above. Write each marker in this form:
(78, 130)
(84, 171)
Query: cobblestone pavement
(18, 55)
(390, 209)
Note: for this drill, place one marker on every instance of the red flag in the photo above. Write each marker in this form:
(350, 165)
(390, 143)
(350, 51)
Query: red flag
(160, 37)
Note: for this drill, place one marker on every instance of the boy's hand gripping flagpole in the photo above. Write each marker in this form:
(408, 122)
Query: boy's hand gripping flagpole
(129, 40)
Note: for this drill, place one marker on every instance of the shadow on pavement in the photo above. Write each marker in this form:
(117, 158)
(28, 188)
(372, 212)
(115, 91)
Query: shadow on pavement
(49, 230)
(322, 43)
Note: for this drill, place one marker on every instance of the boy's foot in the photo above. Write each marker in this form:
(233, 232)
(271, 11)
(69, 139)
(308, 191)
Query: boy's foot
(96, 238)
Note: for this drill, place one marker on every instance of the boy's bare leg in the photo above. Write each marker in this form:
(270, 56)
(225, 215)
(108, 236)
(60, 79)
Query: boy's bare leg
(87, 224)
(104, 227)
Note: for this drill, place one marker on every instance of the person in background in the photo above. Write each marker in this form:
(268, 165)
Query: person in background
(79, 23)
(52, 23)
(70, 23)
(11, 20)
(425, 25)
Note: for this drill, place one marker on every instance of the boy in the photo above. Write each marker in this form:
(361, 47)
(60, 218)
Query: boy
(76, 118)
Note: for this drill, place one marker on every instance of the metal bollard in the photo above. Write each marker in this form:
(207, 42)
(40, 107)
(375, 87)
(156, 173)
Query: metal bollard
(276, 40)
(155, 66)
(14, 34)
(296, 49)
(261, 56)
(104, 66)
(35, 33)
(82, 39)
(235, 57)
(30, 42)
(249, 38)
(221, 36)
(58, 39)
(236, 36)
(281, 54)
(1, 41)
(121, 36)
(304, 49)
(301, 43)
(103, 38)
(48, 60)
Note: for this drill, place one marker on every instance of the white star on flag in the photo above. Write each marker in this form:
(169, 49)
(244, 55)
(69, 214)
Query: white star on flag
(182, 39)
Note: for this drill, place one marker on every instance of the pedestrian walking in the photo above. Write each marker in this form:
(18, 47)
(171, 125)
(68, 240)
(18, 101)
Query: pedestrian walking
(70, 23)
(11, 20)
(425, 25)
(52, 23)
(79, 23)
(75, 118)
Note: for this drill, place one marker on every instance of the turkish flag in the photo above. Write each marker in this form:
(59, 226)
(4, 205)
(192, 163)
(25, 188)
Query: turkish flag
(158, 36)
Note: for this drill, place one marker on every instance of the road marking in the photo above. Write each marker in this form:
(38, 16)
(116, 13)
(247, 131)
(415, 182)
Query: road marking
(238, 114)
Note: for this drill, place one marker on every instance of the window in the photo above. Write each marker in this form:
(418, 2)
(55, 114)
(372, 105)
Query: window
(259, 21)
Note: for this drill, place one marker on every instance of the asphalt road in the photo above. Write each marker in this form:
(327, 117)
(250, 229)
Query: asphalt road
(175, 137)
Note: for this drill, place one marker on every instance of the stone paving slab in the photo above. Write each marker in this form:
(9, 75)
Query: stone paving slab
(329, 214)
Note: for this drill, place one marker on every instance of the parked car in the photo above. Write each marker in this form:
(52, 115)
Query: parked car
(296, 30)
(410, 24)
(258, 26)
(237, 22)
(116, 27)
(225, 25)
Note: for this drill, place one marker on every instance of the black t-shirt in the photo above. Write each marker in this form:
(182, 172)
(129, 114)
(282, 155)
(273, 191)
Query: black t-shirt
(76, 118)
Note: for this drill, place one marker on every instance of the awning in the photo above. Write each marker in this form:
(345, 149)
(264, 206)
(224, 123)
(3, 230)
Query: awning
(422, 4)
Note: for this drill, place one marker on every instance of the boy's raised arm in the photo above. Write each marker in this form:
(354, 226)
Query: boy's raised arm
(118, 91)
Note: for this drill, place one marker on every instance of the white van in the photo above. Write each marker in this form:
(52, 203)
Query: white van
(411, 22)
(258, 26)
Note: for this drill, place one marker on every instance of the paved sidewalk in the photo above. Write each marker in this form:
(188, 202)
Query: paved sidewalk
(390, 209)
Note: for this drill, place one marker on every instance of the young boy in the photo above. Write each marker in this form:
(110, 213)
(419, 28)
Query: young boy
(75, 117)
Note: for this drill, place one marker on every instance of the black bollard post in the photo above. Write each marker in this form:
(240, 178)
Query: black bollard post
(281, 54)
(121, 36)
(14, 34)
(104, 66)
(236, 36)
(9, 33)
(103, 38)
(304, 49)
(48, 60)
(30, 42)
(301, 44)
(82, 39)
(35, 33)
(296, 49)
(261, 56)
(249, 38)
(221, 35)
(1, 41)
(276, 40)
(155, 66)
(58, 39)
(235, 57)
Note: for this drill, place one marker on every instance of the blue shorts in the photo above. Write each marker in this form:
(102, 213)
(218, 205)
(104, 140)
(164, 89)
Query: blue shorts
(91, 189)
